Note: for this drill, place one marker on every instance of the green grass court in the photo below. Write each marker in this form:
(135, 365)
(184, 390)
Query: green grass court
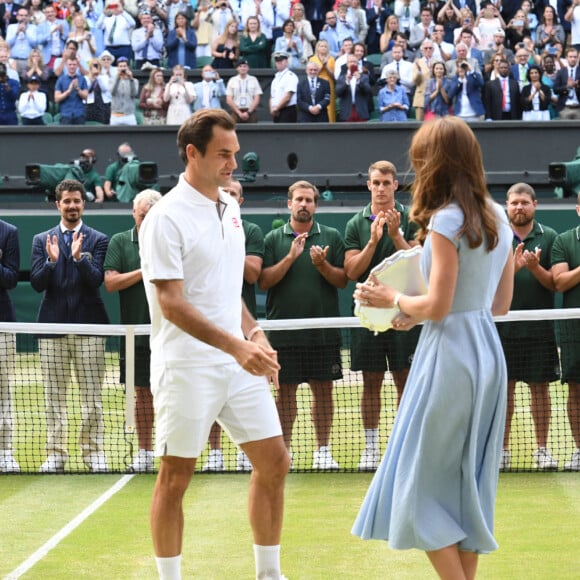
(536, 526)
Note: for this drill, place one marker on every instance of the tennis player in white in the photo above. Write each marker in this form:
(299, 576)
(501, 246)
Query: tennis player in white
(202, 367)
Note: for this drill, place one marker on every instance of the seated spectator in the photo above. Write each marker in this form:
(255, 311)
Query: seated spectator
(209, 90)
(243, 94)
(437, 94)
(326, 66)
(151, 99)
(535, 97)
(388, 36)
(291, 44)
(393, 102)
(303, 29)
(226, 47)
(81, 33)
(124, 91)
(32, 103)
(550, 30)
(70, 92)
(98, 103)
(181, 43)
(147, 43)
(353, 88)
(254, 44)
(466, 93)
(179, 94)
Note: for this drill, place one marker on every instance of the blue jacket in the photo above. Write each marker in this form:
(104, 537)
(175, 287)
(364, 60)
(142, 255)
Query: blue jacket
(9, 268)
(172, 46)
(71, 289)
(474, 89)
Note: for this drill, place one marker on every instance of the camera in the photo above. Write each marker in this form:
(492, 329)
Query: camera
(83, 162)
(45, 178)
(565, 175)
(518, 23)
(250, 167)
(124, 159)
(135, 176)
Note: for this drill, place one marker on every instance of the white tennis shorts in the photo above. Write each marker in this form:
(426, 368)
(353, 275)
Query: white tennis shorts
(189, 399)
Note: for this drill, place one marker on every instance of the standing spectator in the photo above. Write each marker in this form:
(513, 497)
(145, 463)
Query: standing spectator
(158, 12)
(291, 44)
(117, 25)
(193, 285)
(530, 347)
(422, 29)
(181, 43)
(313, 97)
(303, 29)
(67, 267)
(69, 93)
(535, 97)
(70, 51)
(107, 69)
(346, 47)
(373, 234)
(353, 87)
(147, 43)
(519, 70)
(179, 94)
(203, 29)
(283, 91)
(98, 104)
(573, 17)
(330, 34)
(51, 36)
(37, 68)
(436, 487)
(243, 94)
(124, 91)
(9, 89)
(226, 48)
(517, 29)
(32, 103)
(281, 13)
(7, 62)
(219, 16)
(254, 44)
(209, 90)
(315, 13)
(81, 33)
(376, 18)
(566, 273)
(450, 17)
(407, 11)
(254, 247)
(123, 274)
(151, 99)
(9, 272)
(358, 18)
(21, 38)
(550, 30)
(393, 103)
(389, 34)
(421, 76)
(461, 52)
(444, 51)
(465, 93)
(326, 65)
(438, 103)
(304, 254)
(567, 87)
(501, 97)
(175, 7)
(487, 22)
(8, 12)
(497, 48)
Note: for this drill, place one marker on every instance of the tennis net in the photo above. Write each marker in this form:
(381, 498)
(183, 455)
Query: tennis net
(96, 411)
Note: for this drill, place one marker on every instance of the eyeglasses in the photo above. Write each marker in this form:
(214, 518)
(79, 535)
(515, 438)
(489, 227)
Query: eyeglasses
(427, 48)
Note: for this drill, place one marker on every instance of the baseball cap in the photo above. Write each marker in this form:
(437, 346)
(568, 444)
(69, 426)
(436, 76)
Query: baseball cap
(34, 79)
(122, 59)
(280, 55)
(242, 60)
(499, 32)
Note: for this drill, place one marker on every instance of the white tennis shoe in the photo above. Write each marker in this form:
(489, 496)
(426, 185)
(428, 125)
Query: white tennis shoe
(8, 463)
(543, 460)
(215, 461)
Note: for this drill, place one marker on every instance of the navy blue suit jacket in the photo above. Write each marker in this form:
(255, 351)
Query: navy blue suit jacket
(361, 99)
(561, 86)
(304, 100)
(71, 289)
(9, 269)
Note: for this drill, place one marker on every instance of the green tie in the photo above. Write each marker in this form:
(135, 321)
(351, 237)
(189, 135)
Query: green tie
(113, 28)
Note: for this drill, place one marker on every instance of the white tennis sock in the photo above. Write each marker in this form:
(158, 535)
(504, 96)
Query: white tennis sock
(372, 439)
(169, 568)
(267, 561)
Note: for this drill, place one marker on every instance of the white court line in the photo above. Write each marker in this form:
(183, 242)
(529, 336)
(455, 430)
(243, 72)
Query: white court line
(64, 532)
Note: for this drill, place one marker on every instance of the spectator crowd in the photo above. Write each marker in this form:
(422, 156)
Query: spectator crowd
(74, 62)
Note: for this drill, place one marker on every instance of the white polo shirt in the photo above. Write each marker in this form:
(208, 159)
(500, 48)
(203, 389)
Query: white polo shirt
(284, 82)
(184, 238)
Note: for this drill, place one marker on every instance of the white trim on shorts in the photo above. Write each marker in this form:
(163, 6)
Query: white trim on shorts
(189, 399)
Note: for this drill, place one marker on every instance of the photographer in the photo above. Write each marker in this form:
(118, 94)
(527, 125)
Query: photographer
(117, 25)
(466, 92)
(179, 93)
(209, 90)
(125, 154)
(8, 97)
(92, 180)
(124, 91)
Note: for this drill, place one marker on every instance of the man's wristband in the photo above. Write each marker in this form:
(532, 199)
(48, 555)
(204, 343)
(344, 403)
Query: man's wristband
(254, 331)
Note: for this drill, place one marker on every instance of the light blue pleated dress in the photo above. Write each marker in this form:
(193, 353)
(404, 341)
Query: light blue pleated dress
(437, 482)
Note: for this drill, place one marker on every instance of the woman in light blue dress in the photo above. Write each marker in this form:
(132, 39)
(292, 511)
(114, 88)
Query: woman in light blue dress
(435, 488)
